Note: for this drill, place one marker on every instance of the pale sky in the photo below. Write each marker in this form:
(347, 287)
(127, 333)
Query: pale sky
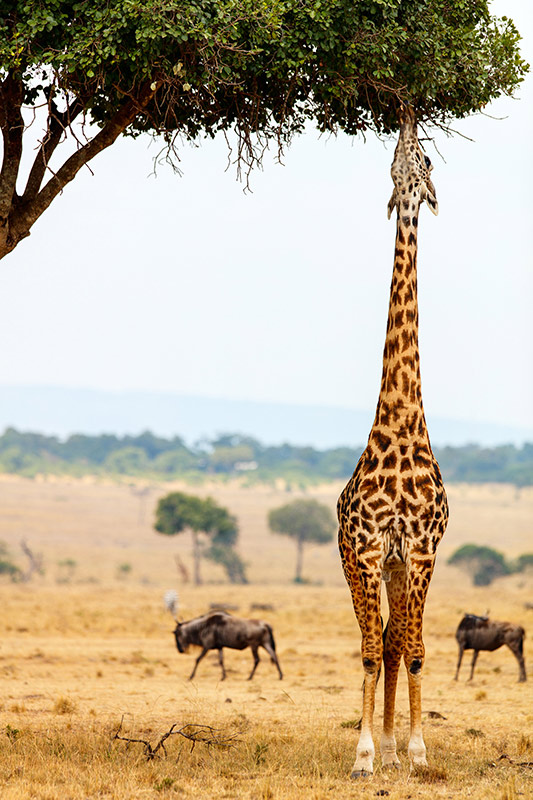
(190, 286)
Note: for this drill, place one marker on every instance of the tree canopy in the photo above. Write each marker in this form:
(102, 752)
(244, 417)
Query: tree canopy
(260, 68)
(484, 564)
(179, 511)
(306, 521)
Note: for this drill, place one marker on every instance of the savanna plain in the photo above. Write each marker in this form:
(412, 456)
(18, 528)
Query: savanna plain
(88, 660)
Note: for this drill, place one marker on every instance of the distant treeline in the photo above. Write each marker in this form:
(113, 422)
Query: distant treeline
(30, 454)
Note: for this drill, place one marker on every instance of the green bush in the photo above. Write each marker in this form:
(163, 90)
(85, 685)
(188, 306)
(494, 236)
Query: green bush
(523, 562)
(482, 563)
(10, 569)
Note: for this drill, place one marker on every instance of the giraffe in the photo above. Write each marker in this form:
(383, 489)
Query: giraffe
(393, 511)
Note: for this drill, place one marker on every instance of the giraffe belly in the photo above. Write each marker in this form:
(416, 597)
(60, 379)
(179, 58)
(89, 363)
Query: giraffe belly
(386, 520)
(394, 555)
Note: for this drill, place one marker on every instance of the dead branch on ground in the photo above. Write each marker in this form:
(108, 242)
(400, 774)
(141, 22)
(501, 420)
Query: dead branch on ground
(203, 734)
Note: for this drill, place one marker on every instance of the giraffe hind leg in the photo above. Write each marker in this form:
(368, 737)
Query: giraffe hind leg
(419, 573)
(393, 648)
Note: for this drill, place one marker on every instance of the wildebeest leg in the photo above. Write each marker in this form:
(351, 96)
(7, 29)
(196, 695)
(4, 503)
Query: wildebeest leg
(517, 649)
(273, 657)
(256, 661)
(474, 659)
(461, 651)
(221, 662)
(202, 654)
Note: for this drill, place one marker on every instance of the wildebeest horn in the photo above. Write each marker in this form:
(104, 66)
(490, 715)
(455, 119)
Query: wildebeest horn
(171, 602)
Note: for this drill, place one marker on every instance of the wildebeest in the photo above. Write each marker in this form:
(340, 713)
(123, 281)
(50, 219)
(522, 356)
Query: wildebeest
(481, 633)
(217, 630)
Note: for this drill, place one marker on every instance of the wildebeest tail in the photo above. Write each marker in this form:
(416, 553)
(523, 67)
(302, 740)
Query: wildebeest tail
(271, 639)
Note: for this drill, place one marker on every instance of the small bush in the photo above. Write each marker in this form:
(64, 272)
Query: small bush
(9, 569)
(523, 562)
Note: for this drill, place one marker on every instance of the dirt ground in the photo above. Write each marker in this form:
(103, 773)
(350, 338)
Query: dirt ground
(86, 651)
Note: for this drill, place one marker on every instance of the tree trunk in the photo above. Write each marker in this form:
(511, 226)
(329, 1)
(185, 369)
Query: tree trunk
(299, 560)
(196, 554)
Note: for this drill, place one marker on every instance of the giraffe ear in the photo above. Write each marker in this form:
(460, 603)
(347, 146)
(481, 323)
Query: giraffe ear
(430, 195)
(431, 200)
(393, 203)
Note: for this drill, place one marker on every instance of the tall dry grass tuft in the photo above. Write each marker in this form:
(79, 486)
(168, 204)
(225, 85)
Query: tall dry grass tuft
(63, 705)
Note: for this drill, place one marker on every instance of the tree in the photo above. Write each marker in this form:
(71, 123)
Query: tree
(127, 461)
(483, 564)
(228, 558)
(174, 462)
(89, 71)
(306, 521)
(178, 511)
(225, 459)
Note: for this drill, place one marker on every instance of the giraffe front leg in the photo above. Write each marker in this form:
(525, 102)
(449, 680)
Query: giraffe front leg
(419, 573)
(364, 757)
(417, 747)
(366, 599)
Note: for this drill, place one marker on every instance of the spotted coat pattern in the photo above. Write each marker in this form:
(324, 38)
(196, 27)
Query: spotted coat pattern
(393, 511)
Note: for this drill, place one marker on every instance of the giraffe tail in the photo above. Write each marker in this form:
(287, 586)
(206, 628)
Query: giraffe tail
(384, 636)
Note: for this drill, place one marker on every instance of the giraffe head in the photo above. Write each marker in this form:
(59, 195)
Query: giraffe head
(410, 171)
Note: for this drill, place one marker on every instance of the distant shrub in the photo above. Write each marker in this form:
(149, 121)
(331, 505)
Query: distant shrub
(67, 568)
(9, 569)
(482, 563)
(124, 571)
(523, 562)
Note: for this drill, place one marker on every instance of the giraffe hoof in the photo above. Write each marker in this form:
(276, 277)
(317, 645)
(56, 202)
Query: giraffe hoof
(391, 765)
(420, 765)
(360, 773)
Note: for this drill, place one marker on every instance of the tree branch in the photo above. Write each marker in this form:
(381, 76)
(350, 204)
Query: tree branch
(12, 125)
(58, 122)
(26, 214)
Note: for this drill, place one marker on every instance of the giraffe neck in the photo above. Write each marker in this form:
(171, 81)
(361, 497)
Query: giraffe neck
(400, 415)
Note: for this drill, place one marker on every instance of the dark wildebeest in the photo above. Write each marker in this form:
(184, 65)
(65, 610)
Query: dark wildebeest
(481, 633)
(217, 630)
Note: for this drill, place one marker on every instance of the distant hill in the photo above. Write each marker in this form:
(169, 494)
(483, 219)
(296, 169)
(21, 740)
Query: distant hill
(60, 411)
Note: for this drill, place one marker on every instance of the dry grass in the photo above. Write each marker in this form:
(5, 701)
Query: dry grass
(78, 658)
